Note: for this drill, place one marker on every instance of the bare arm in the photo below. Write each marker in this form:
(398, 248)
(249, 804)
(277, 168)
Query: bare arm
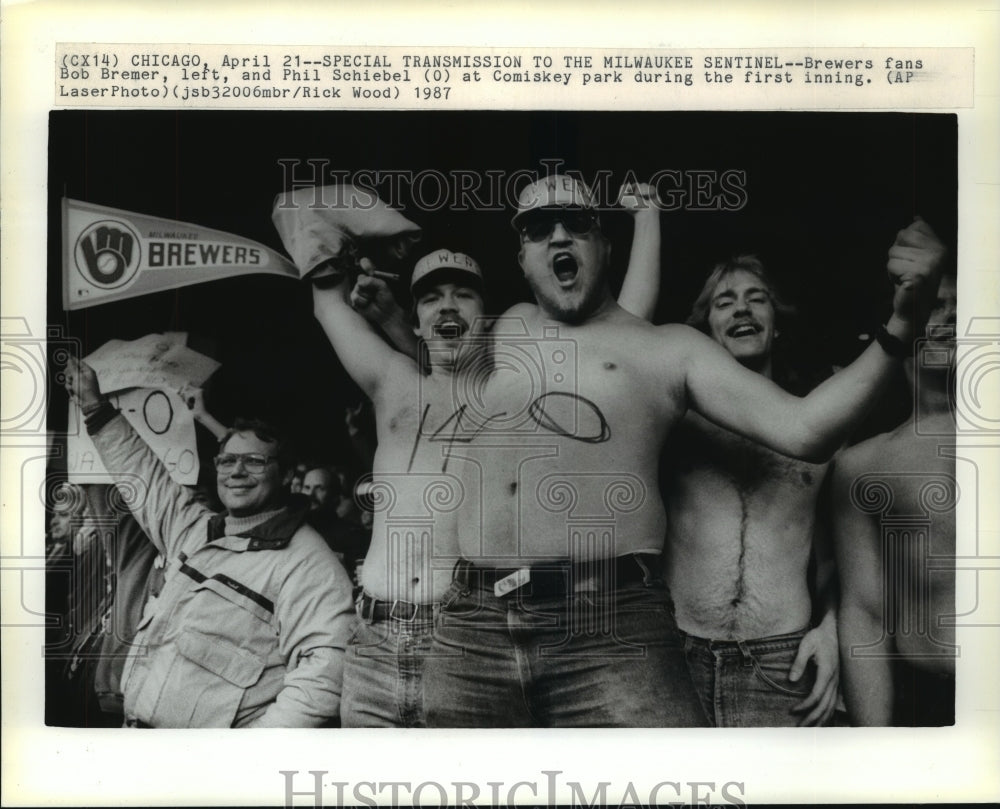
(363, 353)
(641, 287)
(374, 300)
(866, 672)
(814, 427)
(194, 398)
(809, 428)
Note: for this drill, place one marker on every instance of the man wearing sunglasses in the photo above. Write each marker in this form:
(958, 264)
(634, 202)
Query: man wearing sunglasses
(250, 627)
(559, 616)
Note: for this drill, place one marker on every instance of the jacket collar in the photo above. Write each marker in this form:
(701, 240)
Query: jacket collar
(272, 535)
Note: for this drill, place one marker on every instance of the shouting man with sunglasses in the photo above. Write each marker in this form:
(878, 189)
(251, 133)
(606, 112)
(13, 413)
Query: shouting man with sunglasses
(557, 615)
(253, 619)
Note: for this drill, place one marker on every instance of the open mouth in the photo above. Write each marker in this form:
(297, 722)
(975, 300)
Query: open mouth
(565, 268)
(450, 329)
(744, 330)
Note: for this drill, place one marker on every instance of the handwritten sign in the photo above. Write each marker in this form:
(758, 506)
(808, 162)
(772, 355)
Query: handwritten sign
(160, 418)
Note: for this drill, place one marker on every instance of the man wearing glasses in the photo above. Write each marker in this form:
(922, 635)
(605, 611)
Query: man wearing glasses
(559, 617)
(250, 627)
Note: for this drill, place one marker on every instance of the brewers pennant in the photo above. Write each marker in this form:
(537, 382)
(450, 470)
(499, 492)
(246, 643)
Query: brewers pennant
(111, 254)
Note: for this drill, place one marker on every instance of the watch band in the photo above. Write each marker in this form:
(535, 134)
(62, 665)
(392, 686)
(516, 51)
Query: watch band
(891, 345)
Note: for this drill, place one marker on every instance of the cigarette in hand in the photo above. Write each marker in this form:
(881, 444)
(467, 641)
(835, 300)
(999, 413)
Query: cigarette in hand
(367, 266)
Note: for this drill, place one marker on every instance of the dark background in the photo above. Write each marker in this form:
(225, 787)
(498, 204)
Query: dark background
(826, 193)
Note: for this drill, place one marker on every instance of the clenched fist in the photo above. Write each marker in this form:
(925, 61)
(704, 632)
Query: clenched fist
(916, 259)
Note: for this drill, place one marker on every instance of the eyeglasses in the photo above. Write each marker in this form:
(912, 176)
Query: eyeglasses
(538, 225)
(252, 462)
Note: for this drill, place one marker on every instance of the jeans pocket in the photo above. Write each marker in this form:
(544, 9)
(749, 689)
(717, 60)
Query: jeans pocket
(799, 689)
(455, 591)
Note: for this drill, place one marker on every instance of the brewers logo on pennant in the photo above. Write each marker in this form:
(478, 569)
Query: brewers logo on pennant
(108, 254)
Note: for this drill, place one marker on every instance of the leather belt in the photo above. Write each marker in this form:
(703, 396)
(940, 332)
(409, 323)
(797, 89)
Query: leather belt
(372, 610)
(562, 577)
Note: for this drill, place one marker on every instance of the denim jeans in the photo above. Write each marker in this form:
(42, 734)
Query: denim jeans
(383, 674)
(744, 684)
(600, 658)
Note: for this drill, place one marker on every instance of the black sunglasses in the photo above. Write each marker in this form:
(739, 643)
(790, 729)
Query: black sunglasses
(538, 225)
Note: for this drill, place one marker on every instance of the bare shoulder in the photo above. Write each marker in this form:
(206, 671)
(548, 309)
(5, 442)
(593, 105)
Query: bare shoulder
(866, 456)
(683, 342)
(861, 455)
(521, 311)
(523, 308)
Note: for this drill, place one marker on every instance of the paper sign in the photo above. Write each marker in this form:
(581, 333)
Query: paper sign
(160, 418)
(159, 361)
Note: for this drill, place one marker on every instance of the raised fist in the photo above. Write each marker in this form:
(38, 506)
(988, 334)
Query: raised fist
(372, 297)
(916, 259)
(194, 398)
(638, 197)
(81, 384)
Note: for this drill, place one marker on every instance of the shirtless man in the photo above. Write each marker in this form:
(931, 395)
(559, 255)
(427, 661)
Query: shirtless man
(409, 561)
(741, 524)
(894, 533)
(420, 420)
(556, 616)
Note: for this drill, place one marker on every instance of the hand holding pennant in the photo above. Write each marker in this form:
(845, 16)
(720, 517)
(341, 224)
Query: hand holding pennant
(334, 227)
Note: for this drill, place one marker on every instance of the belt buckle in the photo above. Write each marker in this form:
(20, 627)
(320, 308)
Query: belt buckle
(507, 584)
(413, 615)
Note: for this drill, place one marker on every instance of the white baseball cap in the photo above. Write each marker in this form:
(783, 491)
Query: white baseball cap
(553, 191)
(442, 266)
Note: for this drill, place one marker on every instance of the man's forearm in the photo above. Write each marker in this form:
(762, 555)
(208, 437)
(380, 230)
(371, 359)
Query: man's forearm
(162, 507)
(641, 288)
(867, 678)
(832, 410)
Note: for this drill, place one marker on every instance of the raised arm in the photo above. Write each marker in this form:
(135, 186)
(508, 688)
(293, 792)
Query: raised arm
(866, 666)
(361, 350)
(372, 298)
(641, 287)
(194, 398)
(814, 427)
(162, 507)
